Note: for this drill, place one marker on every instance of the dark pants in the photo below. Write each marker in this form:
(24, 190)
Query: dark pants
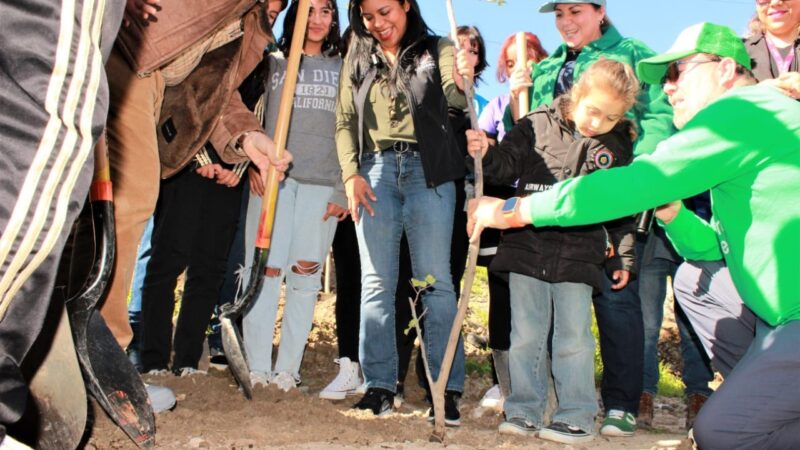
(619, 320)
(696, 371)
(235, 262)
(348, 288)
(37, 147)
(499, 311)
(195, 223)
(758, 404)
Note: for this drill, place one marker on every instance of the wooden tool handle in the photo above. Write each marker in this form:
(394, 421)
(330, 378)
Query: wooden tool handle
(522, 58)
(270, 199)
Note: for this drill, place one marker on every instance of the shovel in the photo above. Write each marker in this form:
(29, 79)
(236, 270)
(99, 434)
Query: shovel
(56, 415)
(108, 374)
(231, 336)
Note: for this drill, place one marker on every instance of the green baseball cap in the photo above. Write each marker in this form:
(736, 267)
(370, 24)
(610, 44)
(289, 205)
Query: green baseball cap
(701, 38)
(551, 6)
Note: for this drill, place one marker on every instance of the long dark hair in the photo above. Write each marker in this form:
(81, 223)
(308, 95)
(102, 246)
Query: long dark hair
(473, 35)
(333, 42)
(364, 49)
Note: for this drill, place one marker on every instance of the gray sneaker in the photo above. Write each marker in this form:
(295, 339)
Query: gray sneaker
(518, 427)
(161, 398)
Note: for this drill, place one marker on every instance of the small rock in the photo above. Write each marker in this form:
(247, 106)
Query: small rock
(198, 442)
(180, 397)
(479, 412)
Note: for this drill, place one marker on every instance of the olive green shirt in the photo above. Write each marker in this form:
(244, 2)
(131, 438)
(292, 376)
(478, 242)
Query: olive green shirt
(386, 120)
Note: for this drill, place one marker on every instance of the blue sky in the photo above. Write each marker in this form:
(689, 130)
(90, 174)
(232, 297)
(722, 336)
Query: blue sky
(656, 22)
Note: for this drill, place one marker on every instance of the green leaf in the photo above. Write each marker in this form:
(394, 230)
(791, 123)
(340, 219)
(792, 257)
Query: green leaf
(411, 324)
(430, 279)
(418, 284)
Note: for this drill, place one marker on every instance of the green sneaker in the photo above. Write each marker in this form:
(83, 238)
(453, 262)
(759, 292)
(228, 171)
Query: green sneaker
(618, 423)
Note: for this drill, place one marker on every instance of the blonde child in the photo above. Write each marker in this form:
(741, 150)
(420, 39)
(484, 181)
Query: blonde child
(553, 272)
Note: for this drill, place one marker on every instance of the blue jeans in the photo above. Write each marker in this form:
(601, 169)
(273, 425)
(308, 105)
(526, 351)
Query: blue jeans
(135, 305)
(426, 214)
(535, 304)
(652, 290)
(299, 234)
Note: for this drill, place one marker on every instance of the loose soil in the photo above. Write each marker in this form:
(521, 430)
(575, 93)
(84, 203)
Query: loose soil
(212, 414)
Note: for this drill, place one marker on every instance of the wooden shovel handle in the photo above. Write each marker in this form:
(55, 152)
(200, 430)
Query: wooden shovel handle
(270, 199)
(101, 183)
(522, 58)
(470, 94)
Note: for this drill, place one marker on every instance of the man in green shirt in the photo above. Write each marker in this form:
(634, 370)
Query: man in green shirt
(743, 143)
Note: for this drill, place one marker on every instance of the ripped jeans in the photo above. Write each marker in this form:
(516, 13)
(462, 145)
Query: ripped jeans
(300, 242)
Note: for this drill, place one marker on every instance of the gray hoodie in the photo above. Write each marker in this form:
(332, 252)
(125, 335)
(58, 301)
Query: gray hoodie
(313, 124)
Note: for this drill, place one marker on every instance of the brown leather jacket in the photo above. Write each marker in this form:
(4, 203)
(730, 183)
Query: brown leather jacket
(206, 106)
(148, 46)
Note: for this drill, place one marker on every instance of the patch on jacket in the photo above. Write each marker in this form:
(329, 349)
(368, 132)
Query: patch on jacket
(426, 63)
(603, 158)
(537, 187)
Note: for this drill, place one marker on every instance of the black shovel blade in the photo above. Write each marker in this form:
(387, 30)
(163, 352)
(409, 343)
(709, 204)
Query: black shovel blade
(55, 418)
(116, 385)
(234, 351)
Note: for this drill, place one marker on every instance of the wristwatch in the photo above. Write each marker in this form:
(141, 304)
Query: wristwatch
(511, 212)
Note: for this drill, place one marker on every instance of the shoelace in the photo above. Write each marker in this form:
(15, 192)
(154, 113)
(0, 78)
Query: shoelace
(616, 414)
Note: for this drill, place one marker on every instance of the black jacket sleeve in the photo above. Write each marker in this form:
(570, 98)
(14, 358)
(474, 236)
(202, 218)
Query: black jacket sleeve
(615, 149)
(505, 162)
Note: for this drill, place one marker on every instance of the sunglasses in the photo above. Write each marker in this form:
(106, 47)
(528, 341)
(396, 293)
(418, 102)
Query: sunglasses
(674, 69)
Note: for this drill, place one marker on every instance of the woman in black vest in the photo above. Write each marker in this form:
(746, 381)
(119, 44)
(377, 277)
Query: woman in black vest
(399, 158)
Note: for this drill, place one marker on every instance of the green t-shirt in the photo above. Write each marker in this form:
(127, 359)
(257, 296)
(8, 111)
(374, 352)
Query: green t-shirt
(745, 148)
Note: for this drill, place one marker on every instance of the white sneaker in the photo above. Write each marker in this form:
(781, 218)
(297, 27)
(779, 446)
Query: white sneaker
(161, 398)
(347, 382)
(259, 379)
(285, 381)
(158, 372)
(493, 398)
(361, 389)
(188, 371)
(9, 443)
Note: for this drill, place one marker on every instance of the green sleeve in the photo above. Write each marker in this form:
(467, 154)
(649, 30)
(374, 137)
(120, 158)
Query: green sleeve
(693, 237)
(655, 121)
(447, 62)
(346, 126)
(652, 110)
(713, 147)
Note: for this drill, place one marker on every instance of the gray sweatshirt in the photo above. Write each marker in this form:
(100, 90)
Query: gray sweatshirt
(313, 124)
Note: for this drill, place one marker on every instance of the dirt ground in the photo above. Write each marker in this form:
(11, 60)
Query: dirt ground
(212, 414)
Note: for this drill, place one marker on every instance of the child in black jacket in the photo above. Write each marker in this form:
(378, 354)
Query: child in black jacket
(554, 271)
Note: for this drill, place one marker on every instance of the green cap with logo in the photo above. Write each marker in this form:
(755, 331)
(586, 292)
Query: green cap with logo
(701, 38)
(551, 6)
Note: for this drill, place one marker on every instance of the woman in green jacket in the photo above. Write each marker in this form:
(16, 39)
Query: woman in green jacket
(588, 36)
